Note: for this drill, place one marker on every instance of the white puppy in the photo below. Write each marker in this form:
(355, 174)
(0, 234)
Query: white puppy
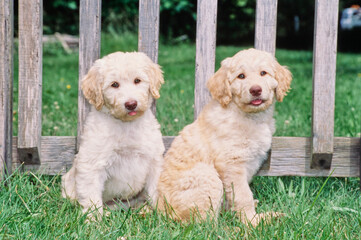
(121, 149)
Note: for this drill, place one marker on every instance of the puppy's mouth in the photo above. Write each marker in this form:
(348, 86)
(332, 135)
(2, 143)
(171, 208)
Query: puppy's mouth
(256, 102)
(132, 113)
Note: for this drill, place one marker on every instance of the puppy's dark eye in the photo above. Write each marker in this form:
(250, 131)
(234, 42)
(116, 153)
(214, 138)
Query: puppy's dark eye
(115, 85)
(263, 73)
(137, 80)
(241, 76)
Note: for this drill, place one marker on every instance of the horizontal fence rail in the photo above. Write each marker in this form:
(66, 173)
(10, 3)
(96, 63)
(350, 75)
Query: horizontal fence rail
(317, 155)
(290, 156)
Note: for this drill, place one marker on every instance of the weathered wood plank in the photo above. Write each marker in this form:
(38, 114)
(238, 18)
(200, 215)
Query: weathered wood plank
(266, 25)
(205, 51)
(167, 140)
(6, 85)
(57, 152)
(291, 156)
(30, 80)
(148, 36)
(89, 51)
(148, 32)
(324, 79)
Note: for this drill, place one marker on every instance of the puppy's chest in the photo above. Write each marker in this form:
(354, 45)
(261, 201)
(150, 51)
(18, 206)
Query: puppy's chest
(258, 142)
(126, 177)
(128, 167)
(132, 144)
(130, 154)
(250, 144)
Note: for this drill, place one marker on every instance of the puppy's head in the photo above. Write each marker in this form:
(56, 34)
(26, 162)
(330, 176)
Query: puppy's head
(252, 79)
(123, 84)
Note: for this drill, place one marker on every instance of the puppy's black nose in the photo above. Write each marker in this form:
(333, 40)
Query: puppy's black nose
(131, 105)
(255, 90)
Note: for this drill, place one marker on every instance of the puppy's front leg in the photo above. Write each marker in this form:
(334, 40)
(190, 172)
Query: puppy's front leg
(90, 186)
(239, 195)
(152, 181)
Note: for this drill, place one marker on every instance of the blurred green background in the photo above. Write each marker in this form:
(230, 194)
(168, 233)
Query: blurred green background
(235, 21)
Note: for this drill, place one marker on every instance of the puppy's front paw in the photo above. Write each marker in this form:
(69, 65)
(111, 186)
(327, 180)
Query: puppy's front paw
(92, 218)
(266, 217)
(93, 214)
(106, 213)
(255, 203)
(145, 210)
(276, 214)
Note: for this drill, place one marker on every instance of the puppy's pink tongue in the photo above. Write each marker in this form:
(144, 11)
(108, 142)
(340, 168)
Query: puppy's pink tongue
(256, 102)
(132, 113)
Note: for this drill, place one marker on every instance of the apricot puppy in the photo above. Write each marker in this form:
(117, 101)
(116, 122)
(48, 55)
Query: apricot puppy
(225, 147)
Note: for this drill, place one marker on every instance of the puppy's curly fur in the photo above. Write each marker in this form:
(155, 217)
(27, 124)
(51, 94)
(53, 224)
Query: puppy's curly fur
(221, 151)
(121, 149)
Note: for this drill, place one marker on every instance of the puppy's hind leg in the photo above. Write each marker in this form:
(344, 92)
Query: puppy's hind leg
(196, 192)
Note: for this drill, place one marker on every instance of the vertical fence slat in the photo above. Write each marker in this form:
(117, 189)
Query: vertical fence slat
(265, 34)
(324, 78)
(6, 85)
(89, 51)
(148, 35)
(266, 25)
(30, 80)
(205, 51)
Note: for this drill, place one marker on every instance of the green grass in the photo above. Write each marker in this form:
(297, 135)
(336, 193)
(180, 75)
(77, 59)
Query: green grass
(31, 206)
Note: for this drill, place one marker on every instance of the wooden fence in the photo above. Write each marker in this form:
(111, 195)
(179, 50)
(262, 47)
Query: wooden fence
(303, 156)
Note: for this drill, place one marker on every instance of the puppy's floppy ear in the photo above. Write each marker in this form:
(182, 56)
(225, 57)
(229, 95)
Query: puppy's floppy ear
(91, 85)
(156, 79)
(219, 86)
(284, 78)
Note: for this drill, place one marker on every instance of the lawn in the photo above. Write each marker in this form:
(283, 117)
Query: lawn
(31, 206)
